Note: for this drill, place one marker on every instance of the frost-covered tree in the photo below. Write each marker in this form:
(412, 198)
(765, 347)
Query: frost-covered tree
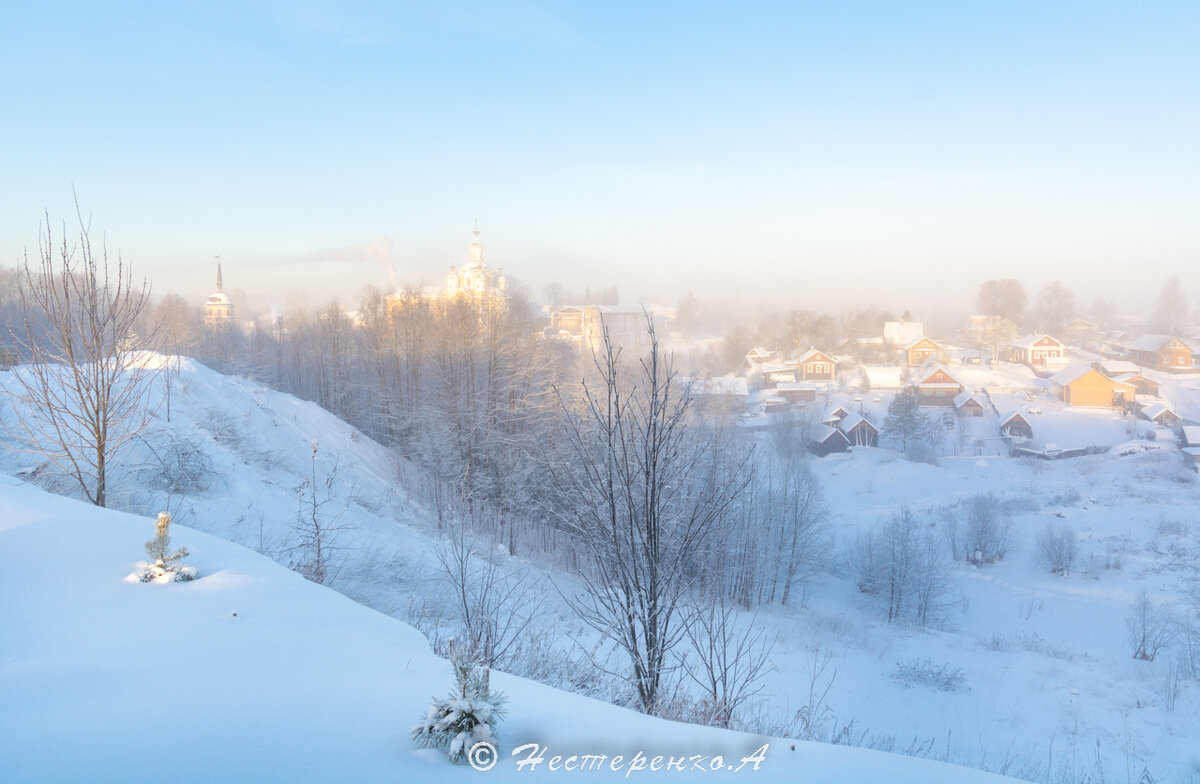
(643, 492)
(468, 715)
(1150, 627)
(905, 423)
(1002, 298)
(904, 564)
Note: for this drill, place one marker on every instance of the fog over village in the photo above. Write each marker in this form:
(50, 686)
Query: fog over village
(788, 393)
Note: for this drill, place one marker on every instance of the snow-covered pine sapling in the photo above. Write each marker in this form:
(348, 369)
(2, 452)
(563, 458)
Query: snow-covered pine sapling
(467, 716)
(163, 561)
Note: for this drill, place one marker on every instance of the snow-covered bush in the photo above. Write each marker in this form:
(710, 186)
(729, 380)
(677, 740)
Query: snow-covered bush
(924, 672)
(987, 532)
(177, 464)
(1056, 547)
(1150, 627)
(164, 566)
(467, 716)
(904, 564)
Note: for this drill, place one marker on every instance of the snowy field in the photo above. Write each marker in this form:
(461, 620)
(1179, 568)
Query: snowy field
(1045, 687)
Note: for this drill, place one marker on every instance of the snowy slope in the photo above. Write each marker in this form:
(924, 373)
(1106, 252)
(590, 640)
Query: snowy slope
(251, 673)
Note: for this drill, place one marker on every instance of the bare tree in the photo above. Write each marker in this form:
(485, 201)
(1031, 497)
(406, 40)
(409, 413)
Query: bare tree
(644, 498)
(1150, 627)
(731, 661)
(904, 564)
(1055, 307)
(1056, 547)
(1171, 313)
(496, 609)
(1002, 298)
(84, 395)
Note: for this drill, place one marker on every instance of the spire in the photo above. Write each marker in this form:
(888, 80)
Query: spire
(218, 273)
(476, 248)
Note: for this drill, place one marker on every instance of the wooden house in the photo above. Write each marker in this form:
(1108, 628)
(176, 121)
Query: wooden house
(1080, 332)
(859, 431)
(720, 395)
(1039, 351)
(758, 356)
(1161, 352)
(1085, 386)
(968, 403)
(824, 440)
(815, 365)
(1159, 413)
(796, 392)
(921, 350)
(939, 388)
(1015, 425)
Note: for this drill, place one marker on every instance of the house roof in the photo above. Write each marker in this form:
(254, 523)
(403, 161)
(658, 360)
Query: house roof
(1070, 375)
(1191, 435)
(920, 339)
(851, 421)
(794, 386)
(1028, 341)
(900, 333)
(925, 382)
(1115, 367)
(813, 353)
(966, 395)
(1011, 415)
(1155, 410)
(1153, 342)
(819, 434)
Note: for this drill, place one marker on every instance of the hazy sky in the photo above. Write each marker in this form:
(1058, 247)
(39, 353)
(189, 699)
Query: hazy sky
(812, 154)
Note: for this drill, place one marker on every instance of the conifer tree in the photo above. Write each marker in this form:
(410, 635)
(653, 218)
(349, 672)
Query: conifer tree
(467, 716)
(165, 562)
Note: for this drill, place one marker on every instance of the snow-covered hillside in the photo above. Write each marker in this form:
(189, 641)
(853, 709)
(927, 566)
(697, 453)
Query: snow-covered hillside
(251, 673)
(1049, 688)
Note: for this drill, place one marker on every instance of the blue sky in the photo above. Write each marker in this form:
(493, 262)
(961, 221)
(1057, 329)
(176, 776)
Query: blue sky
(812, 154)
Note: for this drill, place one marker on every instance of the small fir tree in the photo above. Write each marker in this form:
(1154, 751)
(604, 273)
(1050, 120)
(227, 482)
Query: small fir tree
(467, 716)
(165, 562)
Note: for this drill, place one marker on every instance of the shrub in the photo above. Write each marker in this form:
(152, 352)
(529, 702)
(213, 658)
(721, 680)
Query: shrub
(924, 672)
(1056, 547)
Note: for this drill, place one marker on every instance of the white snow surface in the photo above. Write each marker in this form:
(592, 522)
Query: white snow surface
(251, 673)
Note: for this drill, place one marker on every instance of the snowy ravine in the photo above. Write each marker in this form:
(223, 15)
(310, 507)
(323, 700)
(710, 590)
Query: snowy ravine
(1050, 689)
(251, 673)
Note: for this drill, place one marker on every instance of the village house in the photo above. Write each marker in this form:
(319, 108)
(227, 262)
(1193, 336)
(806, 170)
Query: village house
(815, 365)
(969, 404)
(1080, 332)
(1161, 352)
(1039, 351)
(825, 440)
(1016, 425)
(1159, 413)
(796, 392)
(939, 388)
(723, 395)
(759, 356)
(858, 430)
(921, 350)
(1083, 386)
